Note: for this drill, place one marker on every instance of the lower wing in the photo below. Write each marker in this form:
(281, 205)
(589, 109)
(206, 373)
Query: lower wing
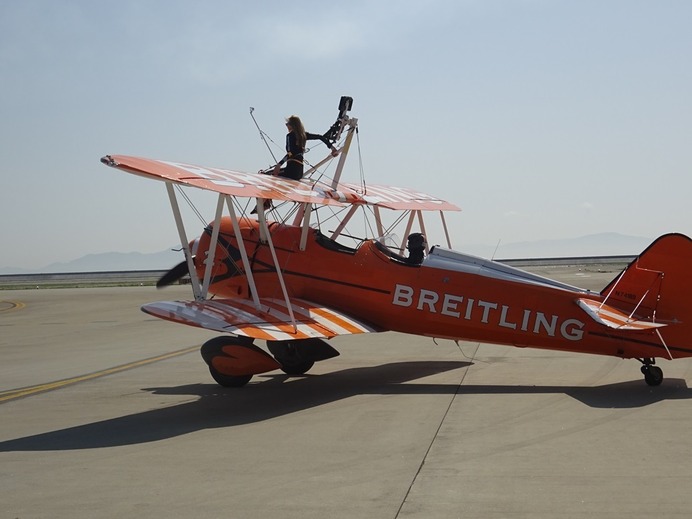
(272, 321)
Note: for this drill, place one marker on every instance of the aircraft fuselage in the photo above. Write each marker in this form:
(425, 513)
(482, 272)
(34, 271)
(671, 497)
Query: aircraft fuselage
(448, 295)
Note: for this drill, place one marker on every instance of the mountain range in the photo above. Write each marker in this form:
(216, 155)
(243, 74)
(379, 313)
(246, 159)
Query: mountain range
(603, 244)
(107, 262)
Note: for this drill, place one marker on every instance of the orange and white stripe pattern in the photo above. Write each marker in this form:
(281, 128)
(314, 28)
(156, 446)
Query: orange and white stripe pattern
(399, 198)
(614, 318)
(272, 322)
(252, 185)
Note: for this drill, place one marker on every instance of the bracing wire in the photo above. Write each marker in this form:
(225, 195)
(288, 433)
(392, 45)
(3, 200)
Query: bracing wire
(194, 209)
(464, 353)
(263, 135)
(360, 164)
(191, 204)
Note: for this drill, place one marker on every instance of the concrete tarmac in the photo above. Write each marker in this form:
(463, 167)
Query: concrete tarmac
(106, 412)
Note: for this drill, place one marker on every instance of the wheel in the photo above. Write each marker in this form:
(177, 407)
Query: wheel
(299, 368)
(292, 356)
(229, 380)
(233, 361)
(653, 375)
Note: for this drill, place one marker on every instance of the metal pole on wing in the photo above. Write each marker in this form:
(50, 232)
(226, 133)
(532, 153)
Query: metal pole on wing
(344, 151)
(209, 262)
(263, 225)
(196, 289)
(444, 226)
(243, 253)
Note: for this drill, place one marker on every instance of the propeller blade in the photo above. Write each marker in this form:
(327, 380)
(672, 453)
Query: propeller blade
(173, 275)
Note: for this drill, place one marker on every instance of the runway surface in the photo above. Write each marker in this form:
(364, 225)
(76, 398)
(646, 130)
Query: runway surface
(106, 412)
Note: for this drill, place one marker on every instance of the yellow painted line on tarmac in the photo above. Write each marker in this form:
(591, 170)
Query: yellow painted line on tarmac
(13, 394)
(8, 306)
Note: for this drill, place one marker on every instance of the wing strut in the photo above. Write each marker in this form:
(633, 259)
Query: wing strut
(196, 291)
(209, 262)
(409, 224)
(344, 222)
(378, 221)
(353, 125)
(263, 226)
(243, 252)
(422, 229)
(444, 226)
(306, 226)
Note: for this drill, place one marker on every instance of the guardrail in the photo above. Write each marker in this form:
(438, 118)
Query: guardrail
(149, 277)
(70, 279)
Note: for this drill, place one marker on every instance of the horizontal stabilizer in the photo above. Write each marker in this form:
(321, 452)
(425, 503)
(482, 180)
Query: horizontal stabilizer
(270, 322)
(614, 318)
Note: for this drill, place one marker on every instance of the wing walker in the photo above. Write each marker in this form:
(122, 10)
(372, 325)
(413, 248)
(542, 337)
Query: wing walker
(296, 275)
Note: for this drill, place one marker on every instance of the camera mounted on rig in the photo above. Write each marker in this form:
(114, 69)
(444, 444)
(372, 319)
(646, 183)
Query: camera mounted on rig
(345, 105)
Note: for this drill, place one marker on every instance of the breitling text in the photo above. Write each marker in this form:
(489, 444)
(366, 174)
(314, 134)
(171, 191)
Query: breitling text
(488, 312)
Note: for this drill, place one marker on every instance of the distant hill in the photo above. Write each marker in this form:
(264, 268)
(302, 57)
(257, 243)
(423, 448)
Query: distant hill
(109, 261)
(604, 244)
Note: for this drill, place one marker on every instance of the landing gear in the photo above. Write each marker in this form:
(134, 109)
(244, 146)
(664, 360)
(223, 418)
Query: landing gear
(228, 380)
(297, 368)
(653, 375)
(291, 356)
(297, 357)
(233, 361)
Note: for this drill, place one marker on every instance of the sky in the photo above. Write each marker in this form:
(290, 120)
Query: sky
(541, 119)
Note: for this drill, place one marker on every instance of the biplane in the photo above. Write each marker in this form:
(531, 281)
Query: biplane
(284, 279)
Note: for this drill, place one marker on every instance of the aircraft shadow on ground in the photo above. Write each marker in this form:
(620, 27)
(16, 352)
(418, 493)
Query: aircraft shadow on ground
(270, 397)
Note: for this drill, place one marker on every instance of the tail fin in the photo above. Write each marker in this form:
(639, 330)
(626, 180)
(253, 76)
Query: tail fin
(657, 285)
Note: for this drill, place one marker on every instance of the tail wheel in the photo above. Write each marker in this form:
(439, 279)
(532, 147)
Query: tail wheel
(653, 375)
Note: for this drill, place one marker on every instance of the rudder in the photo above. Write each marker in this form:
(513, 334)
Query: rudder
(657, 285)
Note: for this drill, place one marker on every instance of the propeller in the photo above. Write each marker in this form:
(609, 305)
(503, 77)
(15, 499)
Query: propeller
(173, 275)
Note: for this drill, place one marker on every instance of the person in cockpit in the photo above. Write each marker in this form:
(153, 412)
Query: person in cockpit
(416, 248)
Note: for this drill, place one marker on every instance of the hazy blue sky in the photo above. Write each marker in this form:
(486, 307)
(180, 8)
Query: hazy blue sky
(541, 119)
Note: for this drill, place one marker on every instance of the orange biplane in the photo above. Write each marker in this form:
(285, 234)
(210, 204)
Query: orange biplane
(290, 282)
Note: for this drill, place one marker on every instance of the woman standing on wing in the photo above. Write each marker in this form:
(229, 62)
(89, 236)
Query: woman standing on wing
(295, 147)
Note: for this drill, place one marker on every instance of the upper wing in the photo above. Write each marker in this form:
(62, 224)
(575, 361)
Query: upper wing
(614, 318)
(398, 198)
(252, 185)
(271, 322)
